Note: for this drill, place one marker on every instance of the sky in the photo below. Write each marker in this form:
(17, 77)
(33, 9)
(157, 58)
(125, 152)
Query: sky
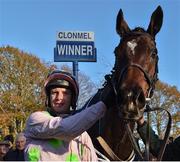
(32, 25)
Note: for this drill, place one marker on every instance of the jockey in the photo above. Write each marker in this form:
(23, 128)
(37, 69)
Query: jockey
(57, 134)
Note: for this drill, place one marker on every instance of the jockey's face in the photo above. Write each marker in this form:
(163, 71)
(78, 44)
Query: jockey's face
(60, 99)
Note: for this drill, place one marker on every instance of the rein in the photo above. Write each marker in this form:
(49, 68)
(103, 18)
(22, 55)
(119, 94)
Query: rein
(151, 82)
(167, 132)
(164, 143)
(110, 152)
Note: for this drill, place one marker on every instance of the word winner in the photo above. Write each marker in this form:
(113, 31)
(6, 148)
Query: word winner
(75, 50)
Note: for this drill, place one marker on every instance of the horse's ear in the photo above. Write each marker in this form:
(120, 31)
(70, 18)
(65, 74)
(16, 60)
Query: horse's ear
(121, 25)
(156, 21)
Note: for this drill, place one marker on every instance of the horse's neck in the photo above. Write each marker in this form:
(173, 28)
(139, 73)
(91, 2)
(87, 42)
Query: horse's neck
(113, 125)
(112, 129)
(115, 134)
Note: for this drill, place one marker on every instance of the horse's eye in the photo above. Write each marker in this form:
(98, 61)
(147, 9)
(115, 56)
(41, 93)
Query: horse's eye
(154, 53)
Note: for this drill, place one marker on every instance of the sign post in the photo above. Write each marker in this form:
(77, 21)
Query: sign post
(75, 46)
(75, 69)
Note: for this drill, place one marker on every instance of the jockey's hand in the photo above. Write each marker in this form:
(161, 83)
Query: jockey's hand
(141, 121)
(107, 96)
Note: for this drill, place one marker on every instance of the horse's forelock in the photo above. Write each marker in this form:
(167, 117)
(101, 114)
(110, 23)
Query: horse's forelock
(139, 29)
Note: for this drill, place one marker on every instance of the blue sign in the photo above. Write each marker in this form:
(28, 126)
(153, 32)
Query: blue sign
(75, 46)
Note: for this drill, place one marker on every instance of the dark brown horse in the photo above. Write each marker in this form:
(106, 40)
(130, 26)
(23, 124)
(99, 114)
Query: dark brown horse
(133, 79)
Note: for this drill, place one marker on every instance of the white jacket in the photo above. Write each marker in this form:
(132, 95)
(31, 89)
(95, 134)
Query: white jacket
(62, 139)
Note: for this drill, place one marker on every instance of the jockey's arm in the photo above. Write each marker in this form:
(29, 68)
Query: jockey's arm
(155, 142)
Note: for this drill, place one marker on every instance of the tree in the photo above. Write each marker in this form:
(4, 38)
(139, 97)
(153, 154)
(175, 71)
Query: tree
(167, 97)
(21, 82)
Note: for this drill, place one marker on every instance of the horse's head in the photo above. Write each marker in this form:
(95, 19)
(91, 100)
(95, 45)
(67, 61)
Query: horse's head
(135, 71)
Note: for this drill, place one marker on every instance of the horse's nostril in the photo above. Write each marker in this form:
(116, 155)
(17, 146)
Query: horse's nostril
(140, 99)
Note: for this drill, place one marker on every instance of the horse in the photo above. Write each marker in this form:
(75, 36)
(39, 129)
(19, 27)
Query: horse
(132, 79)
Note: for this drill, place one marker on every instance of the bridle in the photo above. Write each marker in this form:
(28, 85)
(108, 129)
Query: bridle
(151, 83)
(115, 82)
(117, 77)
(150, 80)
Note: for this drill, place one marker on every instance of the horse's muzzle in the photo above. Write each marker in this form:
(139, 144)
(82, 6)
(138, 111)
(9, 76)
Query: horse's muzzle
(131, 103)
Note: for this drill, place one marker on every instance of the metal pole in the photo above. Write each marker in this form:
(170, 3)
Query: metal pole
(148, 137)
(75, 69)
